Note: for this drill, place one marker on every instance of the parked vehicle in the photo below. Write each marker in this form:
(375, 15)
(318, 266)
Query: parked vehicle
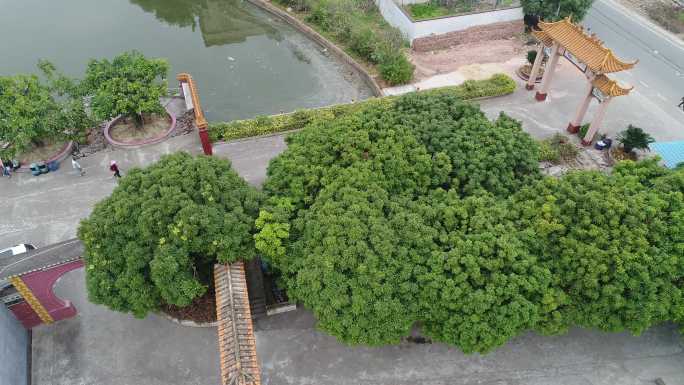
(16, 250)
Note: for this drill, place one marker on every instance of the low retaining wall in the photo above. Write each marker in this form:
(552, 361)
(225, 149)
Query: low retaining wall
(138, 143)
(318, 38)
(495, 31)
(58, 157)
(413, 30)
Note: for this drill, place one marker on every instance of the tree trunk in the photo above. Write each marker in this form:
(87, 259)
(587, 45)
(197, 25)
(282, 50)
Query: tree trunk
(139, 120)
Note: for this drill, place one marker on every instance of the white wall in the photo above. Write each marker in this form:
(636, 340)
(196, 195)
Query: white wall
(395, 17)
(412, 30)
(458, 23)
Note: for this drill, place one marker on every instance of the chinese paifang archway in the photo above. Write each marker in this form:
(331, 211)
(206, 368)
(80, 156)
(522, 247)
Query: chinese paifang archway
(587, 53)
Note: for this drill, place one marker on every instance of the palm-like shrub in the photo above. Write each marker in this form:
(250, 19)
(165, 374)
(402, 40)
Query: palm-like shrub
(634, 138)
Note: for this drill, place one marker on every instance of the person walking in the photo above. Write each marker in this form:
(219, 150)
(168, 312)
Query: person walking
(8, 170)
(77, 166)
(115, 169)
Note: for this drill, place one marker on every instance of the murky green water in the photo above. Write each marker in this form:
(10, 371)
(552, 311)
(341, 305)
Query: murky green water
(245, 62)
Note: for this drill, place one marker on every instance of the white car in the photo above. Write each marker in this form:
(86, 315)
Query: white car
(16, 250)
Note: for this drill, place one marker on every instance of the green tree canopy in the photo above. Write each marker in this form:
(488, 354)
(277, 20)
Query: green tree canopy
(403, 214)
(33, 111)
(129, 85)
(551, 10)
(156, 238)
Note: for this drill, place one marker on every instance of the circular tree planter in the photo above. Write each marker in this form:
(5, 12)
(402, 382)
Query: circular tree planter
(139, 142)
(58, 157)
(523, 73)
(201, 313)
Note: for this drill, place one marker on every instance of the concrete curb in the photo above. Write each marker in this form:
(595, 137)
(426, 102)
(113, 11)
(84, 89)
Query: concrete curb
(58, 157)
(138, 143)
(189, 323)
(318, 38)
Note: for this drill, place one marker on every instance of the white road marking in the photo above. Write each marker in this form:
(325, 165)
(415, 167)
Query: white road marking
(661, 96)
(644, 84)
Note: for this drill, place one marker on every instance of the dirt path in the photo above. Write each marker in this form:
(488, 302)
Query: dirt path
(444, 61)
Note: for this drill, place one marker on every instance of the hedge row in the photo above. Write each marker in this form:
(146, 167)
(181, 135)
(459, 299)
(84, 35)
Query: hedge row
(497, 85)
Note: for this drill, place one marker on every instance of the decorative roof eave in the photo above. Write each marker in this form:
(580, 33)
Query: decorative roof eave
(542, 37)
(587, 48)
(237, 346)
(610, 87)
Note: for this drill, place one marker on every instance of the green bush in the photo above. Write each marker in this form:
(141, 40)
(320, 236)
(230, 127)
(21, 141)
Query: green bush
(396, 69)
(634, 138)
(497, 85)
(362, 41)
(548, 152)
(557, 148)
(375, 42)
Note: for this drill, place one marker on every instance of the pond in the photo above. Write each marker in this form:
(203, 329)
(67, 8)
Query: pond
(245, 61)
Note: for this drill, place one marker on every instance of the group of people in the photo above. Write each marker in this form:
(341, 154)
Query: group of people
(7, 167)
(10, 166)
(113, 167)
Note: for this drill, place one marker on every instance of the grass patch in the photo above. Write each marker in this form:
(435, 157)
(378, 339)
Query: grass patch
(435, 9)
(497, 85)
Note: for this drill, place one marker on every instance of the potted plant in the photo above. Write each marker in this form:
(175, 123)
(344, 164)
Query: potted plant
(634, 138)
(525, 70)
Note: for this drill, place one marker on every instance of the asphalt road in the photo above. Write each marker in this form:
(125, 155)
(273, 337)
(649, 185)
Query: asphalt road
(659, 75)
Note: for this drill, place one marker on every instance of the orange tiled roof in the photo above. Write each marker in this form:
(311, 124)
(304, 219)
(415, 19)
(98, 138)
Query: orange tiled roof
(610, 87)
(588, 49)
(543, 37)
(237, 346)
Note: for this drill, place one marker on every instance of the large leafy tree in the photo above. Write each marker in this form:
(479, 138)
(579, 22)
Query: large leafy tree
(402, 214)
(29, 113)
(35, 110)
(129, 85)
(155, 240)
(551, 10)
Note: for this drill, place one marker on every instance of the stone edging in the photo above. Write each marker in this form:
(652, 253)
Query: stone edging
(138, 143)
(189, 323)
(59, 157)
(524, 77)
(318, 38)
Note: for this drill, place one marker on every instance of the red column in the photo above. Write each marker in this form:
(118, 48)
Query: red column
(575, 124)
(535, 67)
(206, 142)
(548, 74)
(596, 122)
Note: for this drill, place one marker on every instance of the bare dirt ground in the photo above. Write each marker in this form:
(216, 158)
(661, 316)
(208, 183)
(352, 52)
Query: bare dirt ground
(41, 153)
(126, 131)
(665, 13)
(444, 61)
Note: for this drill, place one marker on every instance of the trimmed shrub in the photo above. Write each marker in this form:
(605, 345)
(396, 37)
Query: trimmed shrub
(497, 85)
(396, 69)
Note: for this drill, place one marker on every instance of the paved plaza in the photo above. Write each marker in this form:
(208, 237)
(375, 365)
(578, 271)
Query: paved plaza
(101, 347)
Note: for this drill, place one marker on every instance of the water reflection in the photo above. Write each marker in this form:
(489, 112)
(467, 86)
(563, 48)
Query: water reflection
(221, 22)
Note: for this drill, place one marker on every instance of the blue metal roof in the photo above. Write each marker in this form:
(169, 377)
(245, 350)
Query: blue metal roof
(671, 152)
